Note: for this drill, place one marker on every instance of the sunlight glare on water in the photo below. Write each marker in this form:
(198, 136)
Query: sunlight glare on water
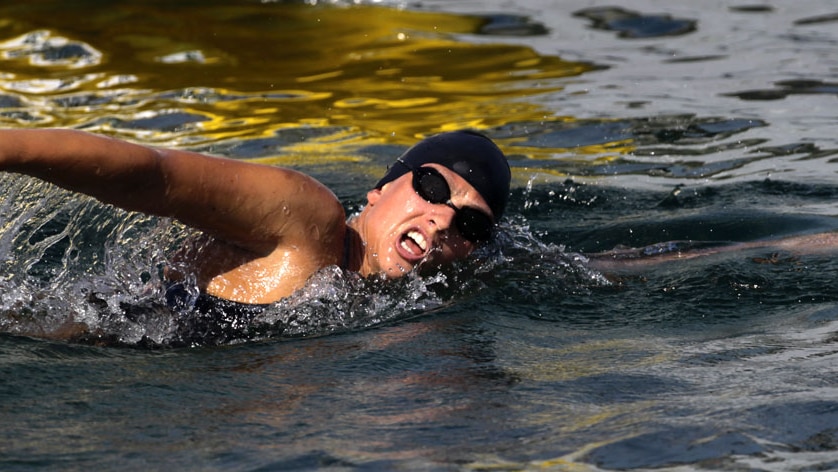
(390, 73)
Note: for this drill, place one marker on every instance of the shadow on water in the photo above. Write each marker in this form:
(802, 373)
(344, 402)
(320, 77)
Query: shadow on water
(540, 353)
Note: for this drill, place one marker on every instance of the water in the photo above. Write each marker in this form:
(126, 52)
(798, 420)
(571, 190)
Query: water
(626, 128)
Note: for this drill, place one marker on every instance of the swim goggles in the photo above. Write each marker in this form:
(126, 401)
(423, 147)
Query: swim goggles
(474, 225)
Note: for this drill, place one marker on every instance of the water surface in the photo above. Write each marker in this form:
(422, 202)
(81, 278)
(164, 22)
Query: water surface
(627, 127)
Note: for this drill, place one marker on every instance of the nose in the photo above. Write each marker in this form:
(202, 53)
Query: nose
(442, 216)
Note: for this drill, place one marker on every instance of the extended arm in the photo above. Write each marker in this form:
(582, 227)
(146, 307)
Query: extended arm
(624, 261)
(250, 205)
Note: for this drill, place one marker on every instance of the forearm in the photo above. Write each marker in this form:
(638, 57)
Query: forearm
(116, 172)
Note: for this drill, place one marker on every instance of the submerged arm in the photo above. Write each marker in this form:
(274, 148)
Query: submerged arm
(628, 260)
(253, 206)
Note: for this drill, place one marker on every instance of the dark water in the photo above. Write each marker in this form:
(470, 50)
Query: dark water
(655, 125)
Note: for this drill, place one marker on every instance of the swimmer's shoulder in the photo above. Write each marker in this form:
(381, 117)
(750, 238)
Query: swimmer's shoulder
(313, 221)
(318, 209)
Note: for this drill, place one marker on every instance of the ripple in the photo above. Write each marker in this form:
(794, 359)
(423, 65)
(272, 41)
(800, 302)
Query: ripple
(786, 88)
(512, 25)
(752, 8)
(10, 101)
(42, 48)
(197, 57)
(164, 121)
(43, 86)
(656, 145)
(819, 19)
(631, 24)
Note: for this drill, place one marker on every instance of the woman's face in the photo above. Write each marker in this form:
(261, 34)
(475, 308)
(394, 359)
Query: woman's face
(402, 230)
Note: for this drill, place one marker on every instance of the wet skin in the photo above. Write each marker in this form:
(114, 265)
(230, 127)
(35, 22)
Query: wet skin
(267, 229)
(631, 261)
(398, 230)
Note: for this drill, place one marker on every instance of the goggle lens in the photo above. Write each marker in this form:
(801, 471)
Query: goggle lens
(473, 224)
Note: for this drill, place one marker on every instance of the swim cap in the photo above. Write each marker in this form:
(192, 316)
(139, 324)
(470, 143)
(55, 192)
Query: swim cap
(471, 155)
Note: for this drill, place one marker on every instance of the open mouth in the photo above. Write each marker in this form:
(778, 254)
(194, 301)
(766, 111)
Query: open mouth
(414, 245)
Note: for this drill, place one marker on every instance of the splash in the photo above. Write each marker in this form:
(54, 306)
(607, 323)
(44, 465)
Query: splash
(70, 262)
(78, 270)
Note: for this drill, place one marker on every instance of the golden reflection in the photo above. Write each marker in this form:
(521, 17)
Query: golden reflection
(585, 359)
(248, 70)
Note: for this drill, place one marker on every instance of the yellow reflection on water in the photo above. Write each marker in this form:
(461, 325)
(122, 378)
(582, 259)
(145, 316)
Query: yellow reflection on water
(248, 70)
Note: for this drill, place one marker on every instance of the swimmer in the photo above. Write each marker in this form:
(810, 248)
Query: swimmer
(268, 229)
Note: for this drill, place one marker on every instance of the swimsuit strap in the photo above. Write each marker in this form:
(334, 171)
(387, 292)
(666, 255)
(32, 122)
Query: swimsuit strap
(344, 263)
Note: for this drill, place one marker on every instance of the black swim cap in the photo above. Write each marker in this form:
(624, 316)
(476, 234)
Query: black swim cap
(473, 156)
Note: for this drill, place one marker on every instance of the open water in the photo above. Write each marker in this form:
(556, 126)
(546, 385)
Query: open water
(673, 127)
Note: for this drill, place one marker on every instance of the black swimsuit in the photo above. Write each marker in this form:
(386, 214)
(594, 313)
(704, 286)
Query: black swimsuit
(207, 319)
(204, 319)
